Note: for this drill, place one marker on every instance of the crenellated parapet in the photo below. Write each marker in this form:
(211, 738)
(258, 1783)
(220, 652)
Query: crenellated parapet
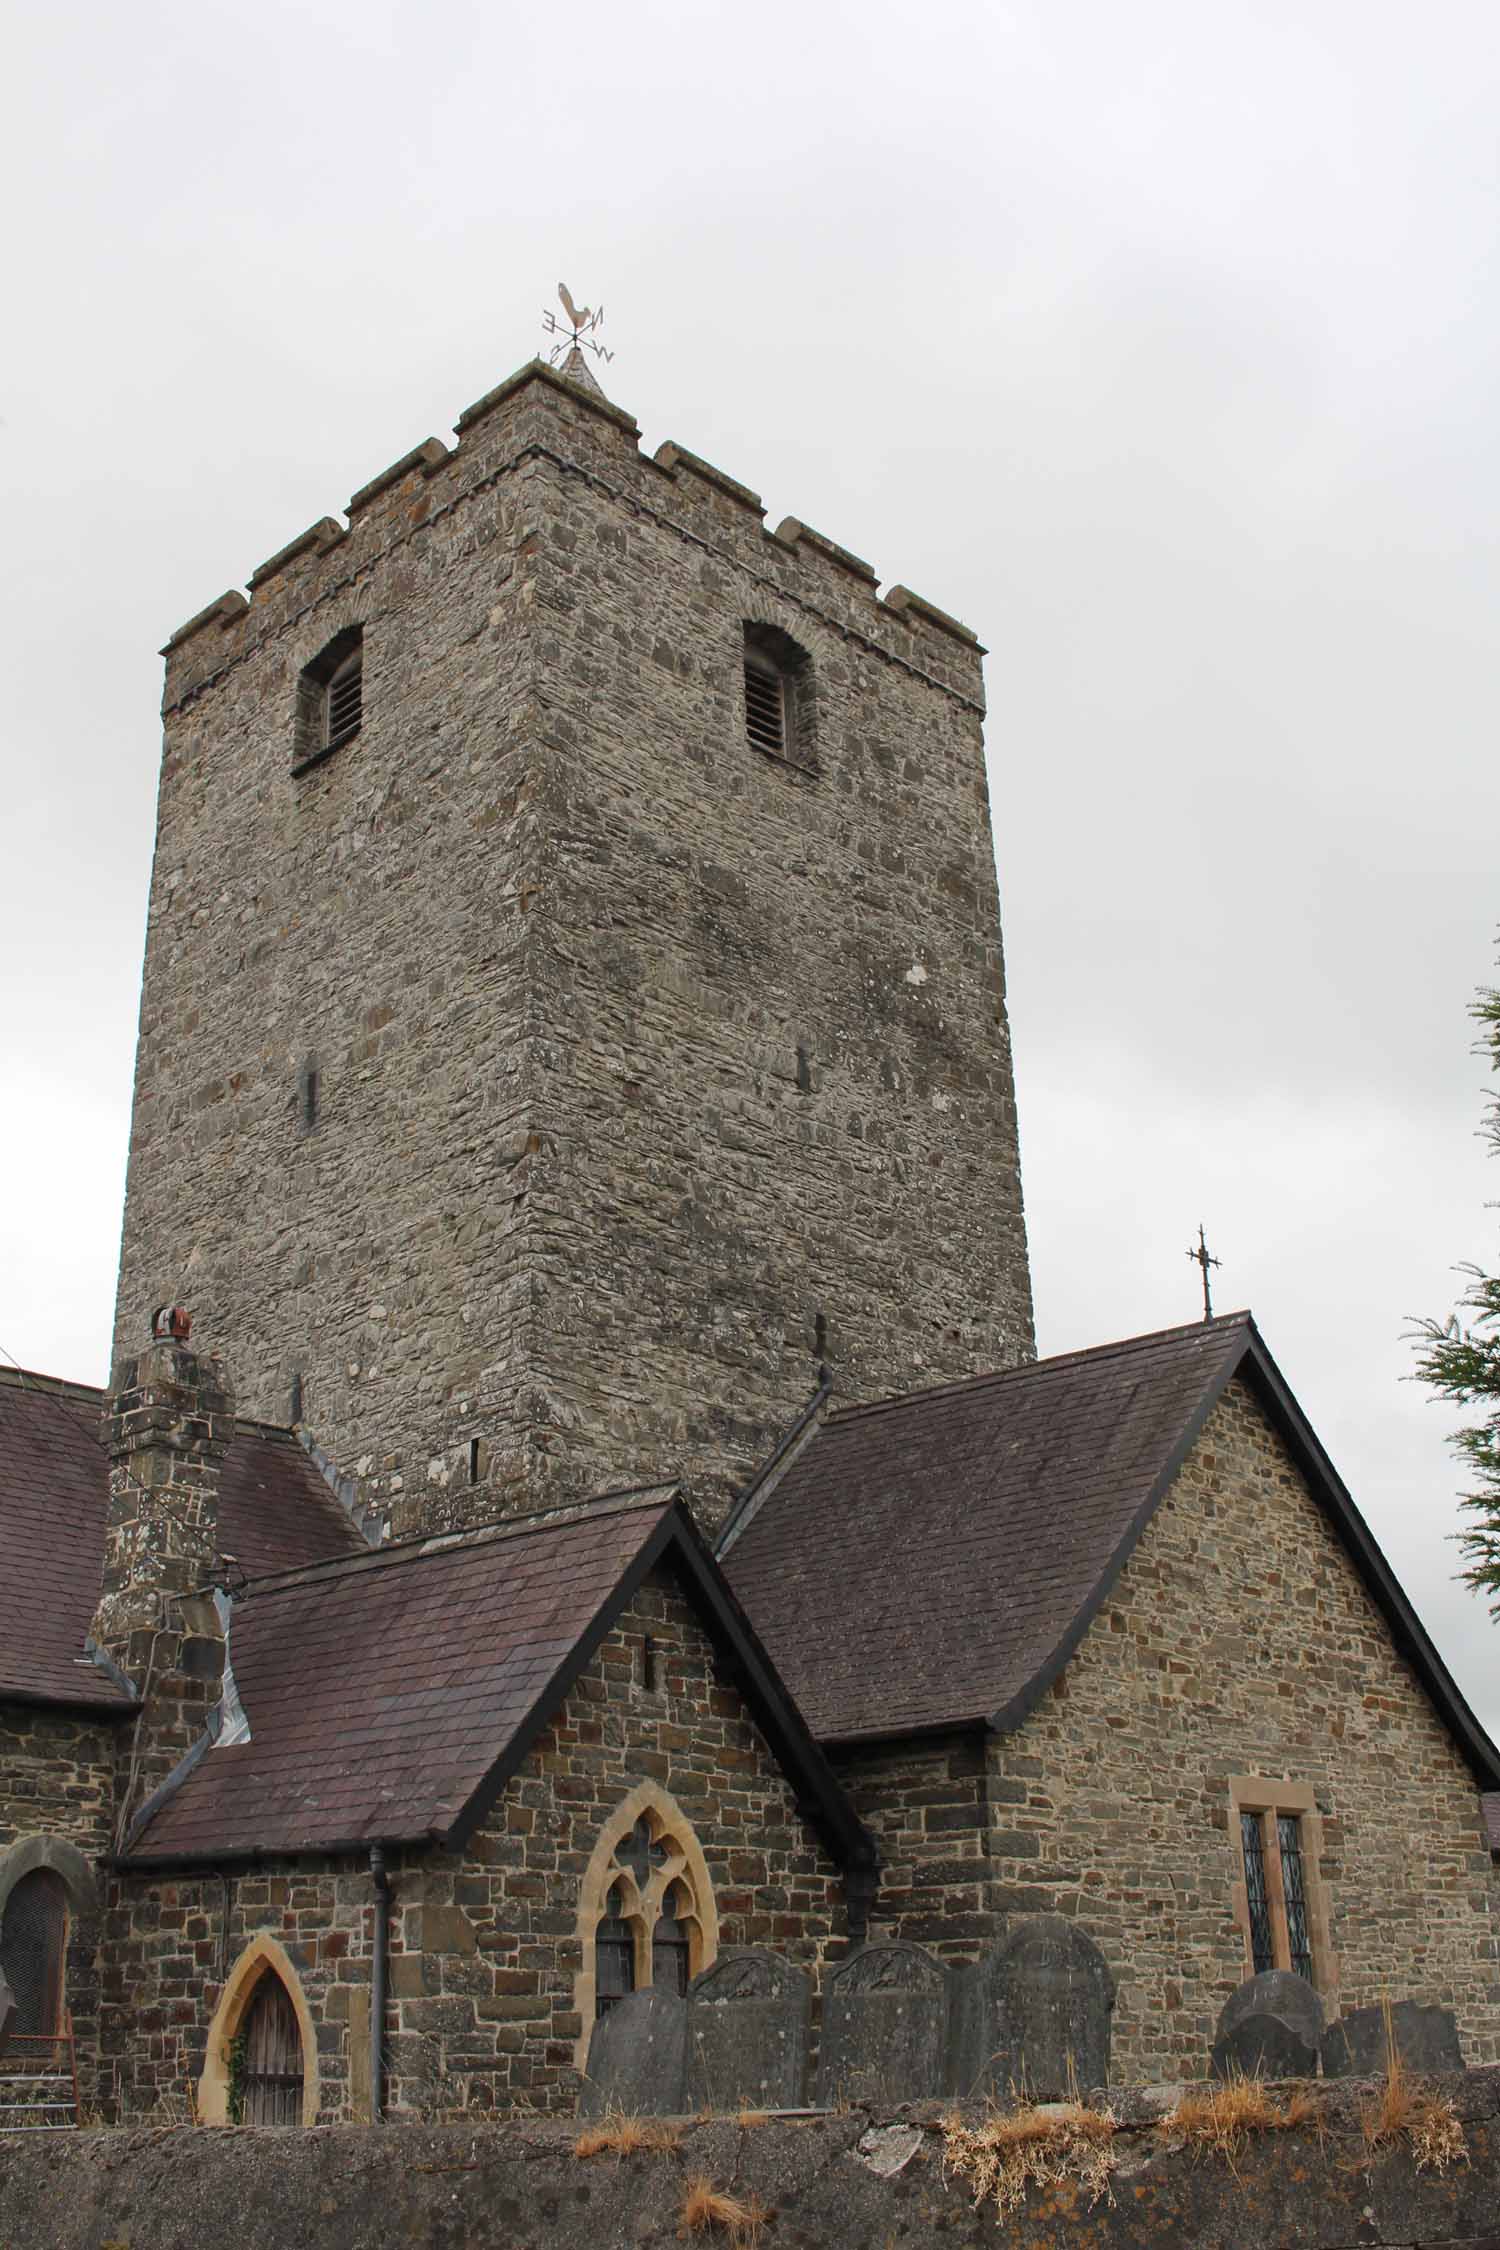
(539, 415)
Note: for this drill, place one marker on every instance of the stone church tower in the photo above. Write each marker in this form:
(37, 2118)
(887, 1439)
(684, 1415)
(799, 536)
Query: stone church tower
(573, 1006)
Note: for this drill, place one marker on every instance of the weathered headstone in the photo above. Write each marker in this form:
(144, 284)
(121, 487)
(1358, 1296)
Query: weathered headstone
(1270, 2027)
(747, 2025)
(638, 2058)
(7, 2010)
(885, 2027)
(1033, 2018)
(1426, 2038)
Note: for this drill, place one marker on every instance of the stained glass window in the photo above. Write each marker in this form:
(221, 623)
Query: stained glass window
(669, 1946)
(1299, 1944)
(1261, 1947)
(614, 1956)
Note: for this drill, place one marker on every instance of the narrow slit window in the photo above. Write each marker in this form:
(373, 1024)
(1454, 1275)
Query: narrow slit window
(1299, 1943)
(1262, 1946)
(614, 1956)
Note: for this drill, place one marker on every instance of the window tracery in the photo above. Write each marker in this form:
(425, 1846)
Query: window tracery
(646, 1911)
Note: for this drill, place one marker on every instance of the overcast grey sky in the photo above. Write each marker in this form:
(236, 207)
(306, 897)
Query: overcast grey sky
(1159, 343)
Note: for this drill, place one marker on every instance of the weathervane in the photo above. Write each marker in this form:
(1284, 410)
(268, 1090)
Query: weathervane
(579, 334)
(1203, 1261)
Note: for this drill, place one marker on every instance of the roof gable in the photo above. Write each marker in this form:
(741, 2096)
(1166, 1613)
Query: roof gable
(390, 1698)
(965, 1538)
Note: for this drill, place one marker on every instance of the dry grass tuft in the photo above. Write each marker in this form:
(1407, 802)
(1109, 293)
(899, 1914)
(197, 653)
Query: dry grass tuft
(1403, 2109)
(1222, 2118)
(747, 2117)
(616, 2134)
(707, 2209)
(1001, 2158)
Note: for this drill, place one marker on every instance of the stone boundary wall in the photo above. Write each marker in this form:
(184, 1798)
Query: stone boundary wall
(836, 2180)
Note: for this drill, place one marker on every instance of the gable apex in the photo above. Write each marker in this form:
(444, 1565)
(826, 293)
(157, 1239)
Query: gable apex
(971, 1533)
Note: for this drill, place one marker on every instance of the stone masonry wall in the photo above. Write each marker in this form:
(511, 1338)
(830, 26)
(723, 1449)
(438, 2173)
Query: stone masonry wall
(853, 2179)
(927, 1804)
(636, 1050)
(484, 1950)
(775, 1079)
(56, 1777)
(1239, 1641)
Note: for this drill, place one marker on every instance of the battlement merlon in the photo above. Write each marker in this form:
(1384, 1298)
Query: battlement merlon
(540, 415)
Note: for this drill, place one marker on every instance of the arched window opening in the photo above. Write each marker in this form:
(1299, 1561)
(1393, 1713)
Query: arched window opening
(646, 1913)
(670, 1945)
(330, 699)
(778, 696)
(614, 1955)
(33, 1944)
(270, 2076)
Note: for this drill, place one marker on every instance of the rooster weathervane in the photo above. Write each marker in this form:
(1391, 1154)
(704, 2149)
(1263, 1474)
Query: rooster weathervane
(583, 321)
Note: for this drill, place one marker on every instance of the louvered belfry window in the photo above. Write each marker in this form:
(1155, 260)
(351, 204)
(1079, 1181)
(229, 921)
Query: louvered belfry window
(330, 699)
(343, 700)
(765, 706)
(778, 696)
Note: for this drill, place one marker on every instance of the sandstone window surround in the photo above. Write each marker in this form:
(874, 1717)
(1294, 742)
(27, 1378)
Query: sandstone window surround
(646, 1911)
(330, 699)
(1280, 1903)
(779, 701)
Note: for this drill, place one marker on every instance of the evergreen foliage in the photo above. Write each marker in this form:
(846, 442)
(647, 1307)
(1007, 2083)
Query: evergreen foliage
(1460, 1358)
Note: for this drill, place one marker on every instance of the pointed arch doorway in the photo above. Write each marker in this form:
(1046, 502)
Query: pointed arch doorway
(261, 2064)
(270, 2085)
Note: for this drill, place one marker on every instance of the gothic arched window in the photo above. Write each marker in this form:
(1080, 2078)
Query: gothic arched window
(33, 1942)
(646, 1910)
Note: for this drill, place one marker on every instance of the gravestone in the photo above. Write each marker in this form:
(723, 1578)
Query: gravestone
(7, 2010)
(747, 2031)
(638, 2058)
(1270, 2027)
(1033, 2017)
(1426, 2038)
(885, 2027)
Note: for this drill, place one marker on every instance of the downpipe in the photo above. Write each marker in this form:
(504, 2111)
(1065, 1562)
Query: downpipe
(378, 1963)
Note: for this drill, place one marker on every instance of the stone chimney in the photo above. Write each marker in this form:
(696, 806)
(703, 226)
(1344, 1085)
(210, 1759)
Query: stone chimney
(169, 1421)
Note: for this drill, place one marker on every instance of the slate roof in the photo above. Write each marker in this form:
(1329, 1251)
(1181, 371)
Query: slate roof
(275, 1511)
(931, 1562)
(391, 1696)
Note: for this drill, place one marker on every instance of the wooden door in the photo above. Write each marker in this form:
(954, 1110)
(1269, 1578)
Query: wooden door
(33, 1939)
(271, 2087)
